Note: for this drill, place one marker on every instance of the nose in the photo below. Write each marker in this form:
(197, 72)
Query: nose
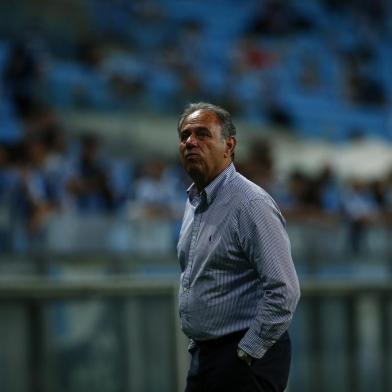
(191, 141)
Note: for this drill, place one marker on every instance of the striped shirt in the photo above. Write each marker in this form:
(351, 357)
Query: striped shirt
(237, 270)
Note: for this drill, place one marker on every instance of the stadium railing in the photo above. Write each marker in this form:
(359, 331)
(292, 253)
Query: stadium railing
(122, 333)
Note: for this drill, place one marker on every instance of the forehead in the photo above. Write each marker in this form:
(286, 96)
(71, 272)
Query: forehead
(201, 118)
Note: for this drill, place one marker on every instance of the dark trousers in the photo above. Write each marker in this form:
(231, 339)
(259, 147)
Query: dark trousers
(215, 367)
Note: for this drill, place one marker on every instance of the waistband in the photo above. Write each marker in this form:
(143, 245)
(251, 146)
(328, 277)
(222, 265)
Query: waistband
(231, 338)
(225, 339)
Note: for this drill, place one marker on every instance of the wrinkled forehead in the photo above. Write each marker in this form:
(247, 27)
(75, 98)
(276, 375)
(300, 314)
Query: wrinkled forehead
(202, 118)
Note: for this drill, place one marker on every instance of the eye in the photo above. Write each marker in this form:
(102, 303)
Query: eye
(203, 134)
(184, 136)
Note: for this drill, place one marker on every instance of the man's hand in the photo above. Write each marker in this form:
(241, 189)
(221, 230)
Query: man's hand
(244, 356)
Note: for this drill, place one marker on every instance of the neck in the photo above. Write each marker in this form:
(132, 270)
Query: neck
(201, 182)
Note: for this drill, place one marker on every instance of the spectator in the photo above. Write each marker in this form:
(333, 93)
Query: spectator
(330, 193)
(361, 209)
(33, 198)
(155, 190)
(58, 163)
(302, 200)
(20, 77)
(90, 183)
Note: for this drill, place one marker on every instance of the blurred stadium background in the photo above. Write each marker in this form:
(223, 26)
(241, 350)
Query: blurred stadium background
(91, 192)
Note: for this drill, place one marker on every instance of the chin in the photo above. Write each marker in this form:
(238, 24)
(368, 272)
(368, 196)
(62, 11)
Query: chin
(194, 171)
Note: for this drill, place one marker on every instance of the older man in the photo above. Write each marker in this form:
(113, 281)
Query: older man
(238, 288)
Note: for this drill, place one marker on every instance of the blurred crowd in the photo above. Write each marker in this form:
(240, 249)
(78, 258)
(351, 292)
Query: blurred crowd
(315, 68)
(323, 197)
(49, 174)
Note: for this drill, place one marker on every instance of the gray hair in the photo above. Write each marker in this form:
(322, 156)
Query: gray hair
(228, 128)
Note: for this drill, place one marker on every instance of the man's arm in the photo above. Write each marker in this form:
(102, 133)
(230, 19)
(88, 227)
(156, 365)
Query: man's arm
(264, 240)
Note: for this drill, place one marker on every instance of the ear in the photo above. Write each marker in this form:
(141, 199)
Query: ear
(231, 142)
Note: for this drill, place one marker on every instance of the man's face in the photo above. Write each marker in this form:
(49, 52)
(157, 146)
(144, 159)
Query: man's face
(204, 152)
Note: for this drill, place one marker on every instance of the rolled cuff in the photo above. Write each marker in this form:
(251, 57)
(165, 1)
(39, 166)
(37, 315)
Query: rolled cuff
(255, 346)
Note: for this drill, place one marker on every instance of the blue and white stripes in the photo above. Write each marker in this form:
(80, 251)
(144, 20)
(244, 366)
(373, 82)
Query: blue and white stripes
(237, 271)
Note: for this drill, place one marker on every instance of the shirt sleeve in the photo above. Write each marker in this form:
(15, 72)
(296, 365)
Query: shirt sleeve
(265, 242)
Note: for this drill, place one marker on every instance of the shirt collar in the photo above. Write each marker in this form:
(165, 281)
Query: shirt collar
(211, 190)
